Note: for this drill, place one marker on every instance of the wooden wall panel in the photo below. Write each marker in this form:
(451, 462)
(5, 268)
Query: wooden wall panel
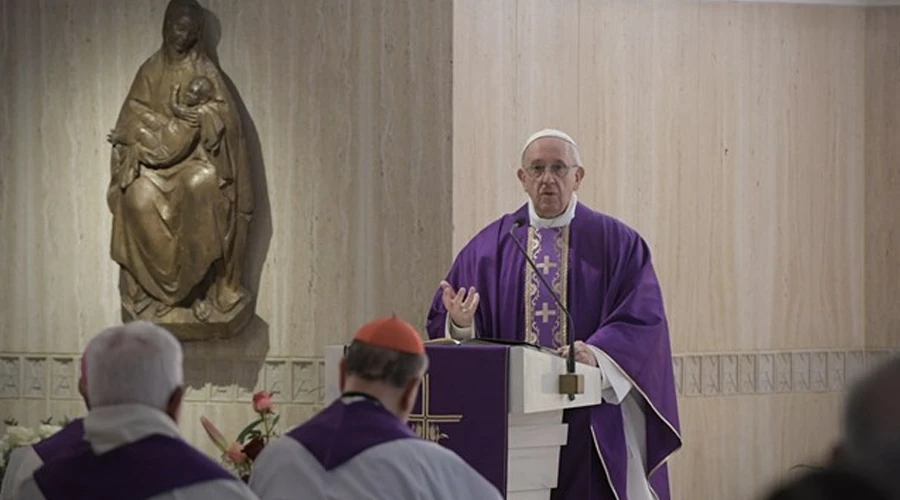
(882, 229)
(639, 137)
(484, 84)
(737, 447)
(791, 139)
(547, 66)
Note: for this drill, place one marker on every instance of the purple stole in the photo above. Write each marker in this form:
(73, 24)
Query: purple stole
(154, 465)
(346, 429)
(69, 439)
(545, 324)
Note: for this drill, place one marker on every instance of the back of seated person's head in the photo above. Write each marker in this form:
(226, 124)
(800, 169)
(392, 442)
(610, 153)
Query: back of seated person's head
(387, 360)
(871, 441)
(827, 484)
(137, 363)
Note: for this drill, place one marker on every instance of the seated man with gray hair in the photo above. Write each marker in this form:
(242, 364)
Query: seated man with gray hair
(360, 446)
(134, 385)
(871, 440)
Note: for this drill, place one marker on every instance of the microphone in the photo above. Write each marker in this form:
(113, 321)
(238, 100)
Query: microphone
(570, 383)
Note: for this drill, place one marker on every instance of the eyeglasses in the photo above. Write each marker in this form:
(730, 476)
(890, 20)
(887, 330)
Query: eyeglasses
(557, 169)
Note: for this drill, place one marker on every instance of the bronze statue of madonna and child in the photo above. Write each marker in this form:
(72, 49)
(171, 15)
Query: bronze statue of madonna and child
(180, 190)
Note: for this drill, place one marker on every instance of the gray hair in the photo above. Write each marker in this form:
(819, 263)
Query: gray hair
(377, 364)
(872, 425)
(135, 363)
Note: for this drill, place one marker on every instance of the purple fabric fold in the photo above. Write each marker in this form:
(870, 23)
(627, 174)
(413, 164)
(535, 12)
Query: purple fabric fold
(69, 439)
(344, 430)
(154, 465)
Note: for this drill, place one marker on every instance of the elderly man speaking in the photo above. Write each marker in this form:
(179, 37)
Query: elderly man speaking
(601, 270)
(134, 384)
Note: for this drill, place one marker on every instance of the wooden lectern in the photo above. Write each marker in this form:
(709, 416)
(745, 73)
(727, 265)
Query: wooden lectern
(498, 406)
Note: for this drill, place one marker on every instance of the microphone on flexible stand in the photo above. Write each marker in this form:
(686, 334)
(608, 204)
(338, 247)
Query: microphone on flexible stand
(570, 383)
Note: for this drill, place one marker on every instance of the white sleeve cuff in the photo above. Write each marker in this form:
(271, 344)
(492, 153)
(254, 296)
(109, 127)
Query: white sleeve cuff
(458, 333)
(615, 384)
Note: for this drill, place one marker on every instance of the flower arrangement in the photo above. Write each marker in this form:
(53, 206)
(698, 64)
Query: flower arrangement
(239, 454)
(18, 436)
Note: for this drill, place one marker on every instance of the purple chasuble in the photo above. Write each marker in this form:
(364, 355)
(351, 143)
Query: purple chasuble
(346, 429)
(616, 303)
(154, 465)
(69, 439)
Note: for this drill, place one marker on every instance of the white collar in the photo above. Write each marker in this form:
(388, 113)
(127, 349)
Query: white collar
(109, 427)
(561, 220)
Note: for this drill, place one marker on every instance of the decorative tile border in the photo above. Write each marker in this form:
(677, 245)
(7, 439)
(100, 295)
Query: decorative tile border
(306, 376)
(723, 374)
(54, 377)
(301, 380)
(35, 378)
(63, 378)
(10, 377)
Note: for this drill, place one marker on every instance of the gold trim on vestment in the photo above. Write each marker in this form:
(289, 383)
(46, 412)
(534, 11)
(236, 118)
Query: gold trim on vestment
(561, 286)
(532, 335)
(602, 461)
(658, 414)
(646, 475)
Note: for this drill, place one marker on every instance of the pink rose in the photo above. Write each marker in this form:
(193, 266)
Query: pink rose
(235, 454)
(262, 402)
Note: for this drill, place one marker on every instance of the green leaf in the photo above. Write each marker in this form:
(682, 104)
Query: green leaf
(275, 421)
(49, 421)
(253, 425)
(11, 421)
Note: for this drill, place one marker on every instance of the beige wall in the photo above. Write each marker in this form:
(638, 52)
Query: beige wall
(753, 145)
(350, 102)
(732, 136)
(883, 178)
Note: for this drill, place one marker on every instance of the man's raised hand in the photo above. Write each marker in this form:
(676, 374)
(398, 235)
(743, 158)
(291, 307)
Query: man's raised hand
(460, 304)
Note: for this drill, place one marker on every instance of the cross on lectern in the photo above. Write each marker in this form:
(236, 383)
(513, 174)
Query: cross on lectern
(545, 312)
(427, 421)
(546, 265)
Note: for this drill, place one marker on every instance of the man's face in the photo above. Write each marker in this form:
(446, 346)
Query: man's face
(182, 33)
(550, 176)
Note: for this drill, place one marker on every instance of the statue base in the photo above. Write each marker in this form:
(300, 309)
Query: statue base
(185, 325)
